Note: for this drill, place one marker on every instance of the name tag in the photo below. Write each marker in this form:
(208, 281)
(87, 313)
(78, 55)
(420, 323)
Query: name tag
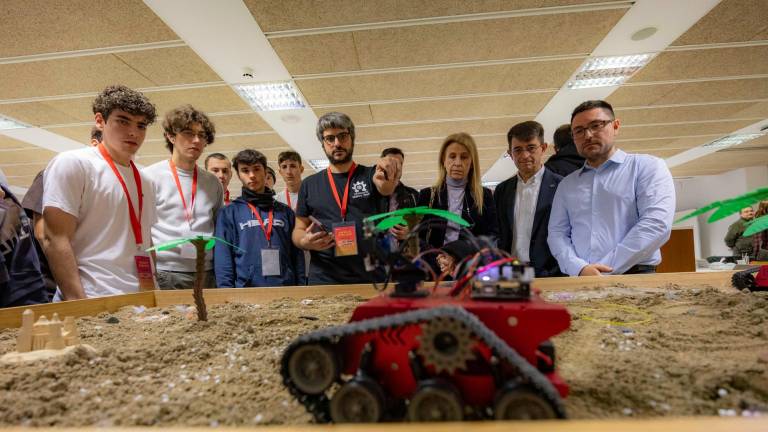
(270, 262)
(345, 236)
(144, 271)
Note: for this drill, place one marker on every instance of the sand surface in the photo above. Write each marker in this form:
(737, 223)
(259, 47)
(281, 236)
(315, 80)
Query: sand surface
(642, 353)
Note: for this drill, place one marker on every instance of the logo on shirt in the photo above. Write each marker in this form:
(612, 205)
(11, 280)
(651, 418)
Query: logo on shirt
(255, 223)
(360, 189)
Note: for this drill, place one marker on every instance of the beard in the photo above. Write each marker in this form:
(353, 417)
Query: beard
(340, 160)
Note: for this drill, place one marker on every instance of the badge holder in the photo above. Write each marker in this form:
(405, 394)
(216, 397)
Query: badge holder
(144, 271)
(345, 236)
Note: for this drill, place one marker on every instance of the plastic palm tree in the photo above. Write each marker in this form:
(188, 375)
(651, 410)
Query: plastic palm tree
(411, 217)
(202, 244)
(729, 206)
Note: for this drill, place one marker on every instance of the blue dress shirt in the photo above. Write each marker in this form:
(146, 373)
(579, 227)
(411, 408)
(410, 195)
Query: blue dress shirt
(619, 214)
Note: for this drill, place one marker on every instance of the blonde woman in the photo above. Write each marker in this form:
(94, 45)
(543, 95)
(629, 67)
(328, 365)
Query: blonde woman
(459, 190)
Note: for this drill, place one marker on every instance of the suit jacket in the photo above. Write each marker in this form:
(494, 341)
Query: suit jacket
(504, 196)
(480, 225)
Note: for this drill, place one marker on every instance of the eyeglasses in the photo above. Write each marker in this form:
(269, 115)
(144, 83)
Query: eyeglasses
(190, 135)
(519, 151)
(342, 137)
(594, 127)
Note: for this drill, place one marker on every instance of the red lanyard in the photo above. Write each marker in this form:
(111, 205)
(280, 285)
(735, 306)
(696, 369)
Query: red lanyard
(342, 204)
(268, 229)
(135, 220)
(187, 212)
(288, 198)
(226, 197)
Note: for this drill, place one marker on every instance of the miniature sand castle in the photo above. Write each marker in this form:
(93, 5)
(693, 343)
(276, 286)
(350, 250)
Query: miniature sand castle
(44, 339)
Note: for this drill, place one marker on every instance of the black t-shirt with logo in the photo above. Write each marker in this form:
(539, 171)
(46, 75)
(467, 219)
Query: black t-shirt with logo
(316, 199)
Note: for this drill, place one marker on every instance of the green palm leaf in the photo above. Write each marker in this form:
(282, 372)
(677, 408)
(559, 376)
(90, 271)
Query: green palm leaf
(756, 226)
(211, 241)
(702, 210)
(390, 222)
(729, 206)
(397, 216)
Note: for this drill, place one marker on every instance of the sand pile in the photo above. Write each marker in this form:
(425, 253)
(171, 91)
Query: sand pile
(640, 353)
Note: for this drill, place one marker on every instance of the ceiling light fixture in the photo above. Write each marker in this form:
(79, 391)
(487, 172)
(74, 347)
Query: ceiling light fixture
(490, 184)
(272, 96)
(8, 123)
(608, 71)
(319, 164)
(732, 140)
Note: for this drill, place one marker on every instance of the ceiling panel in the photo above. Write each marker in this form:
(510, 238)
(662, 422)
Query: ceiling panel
(507, 105)
(685, 129)
(430, 145)
(10, 144)
(45, 113)
(46, 26)
(35, 155)
(705, 63)
(730, 21)
(578, 33)
(23, 169)
(445, 82)
(698, 92)
(78, 133)
(239, 123)
(640, 146)
(690, 113)
(278, 15)
(67, 76)
(432, 129)
(722, 161)
(360, 114)
(169, 66)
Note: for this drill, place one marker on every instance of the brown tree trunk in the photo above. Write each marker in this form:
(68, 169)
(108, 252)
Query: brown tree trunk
(197, 292)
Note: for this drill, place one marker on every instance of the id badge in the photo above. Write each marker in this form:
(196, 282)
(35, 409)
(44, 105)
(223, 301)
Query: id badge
(270, 262)
(345, 236)
(144, 271)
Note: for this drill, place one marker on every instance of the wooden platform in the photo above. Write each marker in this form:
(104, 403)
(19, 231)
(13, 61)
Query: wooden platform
(11, 317)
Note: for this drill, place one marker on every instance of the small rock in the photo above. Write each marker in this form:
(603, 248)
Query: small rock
(307, 302)
(722, 392)
(746, 291)
(762, 357)
(627, 411)
(112, 320)
(310, 318)
(258, 418)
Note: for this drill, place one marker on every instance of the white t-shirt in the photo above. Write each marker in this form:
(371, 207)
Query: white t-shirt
(172, 223)
(81, 183)
(283, 196)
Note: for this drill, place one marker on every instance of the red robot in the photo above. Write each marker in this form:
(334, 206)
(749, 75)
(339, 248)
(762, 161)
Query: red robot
(475, 348)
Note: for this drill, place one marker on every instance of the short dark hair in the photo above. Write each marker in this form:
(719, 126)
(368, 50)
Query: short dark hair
(249, 157)
(271, 172)
(563, 137)
(96, 134)
(288, 155)
(526, 131)
(123, 98)
(181, 118)
(218, 156)
(392, 151)
(592, 104)
(335, 120)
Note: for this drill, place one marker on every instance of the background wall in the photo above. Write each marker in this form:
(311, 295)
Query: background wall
(694, 192)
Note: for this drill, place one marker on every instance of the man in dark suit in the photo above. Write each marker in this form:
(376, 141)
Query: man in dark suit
(523, 202)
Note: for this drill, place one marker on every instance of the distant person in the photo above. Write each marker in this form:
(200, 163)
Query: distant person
(459, 190)
(524, 201)
(566, 158)
(290, 168)
(260, 229)
(612, 215)
(340, 197)
(187, 197)
(271, 179)
(735, 239)
(21, 283)
(403, 197)
(33, 205)
(98, 209)
(218, 165)
(760, 240)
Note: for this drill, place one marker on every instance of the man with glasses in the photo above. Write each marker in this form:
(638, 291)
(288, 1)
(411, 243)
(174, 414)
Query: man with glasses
(524, 201)
(339, 198)
(612, 215)
(188, 197)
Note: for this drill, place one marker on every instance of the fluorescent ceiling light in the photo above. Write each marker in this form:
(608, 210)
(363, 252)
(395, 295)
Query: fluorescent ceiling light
(490, 184)
(319, 164)
(7, 124)
(732, 140)
(608, 71)
(272, 96)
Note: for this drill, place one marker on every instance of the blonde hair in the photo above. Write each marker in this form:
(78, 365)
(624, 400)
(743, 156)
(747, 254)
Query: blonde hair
(476, 186)
(762, 209)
